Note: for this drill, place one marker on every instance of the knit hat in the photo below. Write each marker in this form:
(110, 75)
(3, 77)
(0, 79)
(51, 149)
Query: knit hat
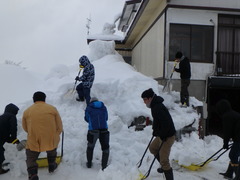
(39, 96)
(148, 93)
(93, 99)
(178, 55)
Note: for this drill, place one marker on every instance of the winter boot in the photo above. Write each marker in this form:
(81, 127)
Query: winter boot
(237, 172)
(89, 157)
(160, 170)
(168, 174)
(32, 173)
(80, 99)
(229, 172)
(3, 171)
(52, 165)
(105, 156)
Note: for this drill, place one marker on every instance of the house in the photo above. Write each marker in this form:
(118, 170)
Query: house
(206, 31)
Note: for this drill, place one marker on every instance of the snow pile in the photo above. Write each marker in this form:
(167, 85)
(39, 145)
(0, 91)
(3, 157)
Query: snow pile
(119, 86)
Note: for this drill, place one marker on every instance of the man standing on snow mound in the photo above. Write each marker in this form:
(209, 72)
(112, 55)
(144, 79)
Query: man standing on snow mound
(185, 75)
(96, 115)
(163, 130)
(231, 131)
(87, 79)
(8, 130)
(43, 125)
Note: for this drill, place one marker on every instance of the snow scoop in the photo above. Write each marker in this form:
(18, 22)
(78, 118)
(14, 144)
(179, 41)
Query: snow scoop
(194, 167)
(167, 87)
(144, 176)
(43, 162)
(71, 91)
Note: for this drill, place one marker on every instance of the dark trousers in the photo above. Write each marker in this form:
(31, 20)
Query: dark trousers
(32, 157)
(92, 137)
(2, 157)
(234, 153)
(184, 95)
(83, 92)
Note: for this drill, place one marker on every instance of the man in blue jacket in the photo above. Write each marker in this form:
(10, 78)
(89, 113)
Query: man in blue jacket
(96, 115)
(8, 131)
(87, 78)
(163, 130)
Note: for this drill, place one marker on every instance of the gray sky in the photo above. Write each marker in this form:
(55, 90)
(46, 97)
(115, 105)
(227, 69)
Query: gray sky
(41, 33)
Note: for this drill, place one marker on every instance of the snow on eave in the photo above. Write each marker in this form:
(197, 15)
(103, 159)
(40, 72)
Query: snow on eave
(105, 37)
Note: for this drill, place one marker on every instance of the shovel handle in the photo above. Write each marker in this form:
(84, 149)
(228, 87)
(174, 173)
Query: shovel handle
(76, 80)
(140, 162)
(215, 155)
(149, 170)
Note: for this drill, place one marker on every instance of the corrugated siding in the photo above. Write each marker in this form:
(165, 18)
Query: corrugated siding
(148, 54)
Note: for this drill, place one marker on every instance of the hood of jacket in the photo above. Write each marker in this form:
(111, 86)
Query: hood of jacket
(96, 104)
(156, 99)
(11, 108)
(84, 61)
(223, 106)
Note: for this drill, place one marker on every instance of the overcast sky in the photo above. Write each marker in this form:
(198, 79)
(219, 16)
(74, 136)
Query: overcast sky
(41, 33)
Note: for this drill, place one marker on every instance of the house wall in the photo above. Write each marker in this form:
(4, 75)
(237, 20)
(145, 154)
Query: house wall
(200, 71)
(148, 54)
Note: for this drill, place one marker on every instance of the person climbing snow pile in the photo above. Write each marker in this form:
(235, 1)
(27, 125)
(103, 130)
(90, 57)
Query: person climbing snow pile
(87, 78)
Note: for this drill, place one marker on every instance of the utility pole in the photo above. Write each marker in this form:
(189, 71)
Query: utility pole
(88, 24)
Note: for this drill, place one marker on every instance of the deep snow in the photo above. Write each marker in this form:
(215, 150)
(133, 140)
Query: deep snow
(119, 86)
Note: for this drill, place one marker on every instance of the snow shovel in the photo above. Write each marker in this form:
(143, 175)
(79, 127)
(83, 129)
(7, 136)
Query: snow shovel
(194, 167)
(43, 162)
(140, 162)
(144, 176)
(168, 85)
(70, 92)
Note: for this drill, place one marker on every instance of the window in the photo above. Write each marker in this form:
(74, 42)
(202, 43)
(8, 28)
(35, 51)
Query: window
(195, 41)
(228, 54)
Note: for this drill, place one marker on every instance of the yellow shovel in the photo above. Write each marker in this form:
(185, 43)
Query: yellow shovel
(43, 162)
(194, 167)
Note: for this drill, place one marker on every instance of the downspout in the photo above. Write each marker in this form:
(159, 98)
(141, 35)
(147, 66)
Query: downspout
(164, 54)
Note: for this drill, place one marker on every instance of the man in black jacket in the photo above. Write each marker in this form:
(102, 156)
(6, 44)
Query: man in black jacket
(8, 130)
(163, 130)
(231, 131)
(185, 75)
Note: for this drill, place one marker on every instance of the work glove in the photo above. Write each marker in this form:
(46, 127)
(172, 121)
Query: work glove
(154, 133)
(21, 145)
(81, 66)
(77, 78)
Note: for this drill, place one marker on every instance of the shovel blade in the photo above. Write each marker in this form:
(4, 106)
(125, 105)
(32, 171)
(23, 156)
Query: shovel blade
(141, 176)
(43, 162)
(195, 167)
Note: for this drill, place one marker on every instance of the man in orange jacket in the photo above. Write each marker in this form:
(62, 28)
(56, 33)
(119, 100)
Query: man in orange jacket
(43, 125)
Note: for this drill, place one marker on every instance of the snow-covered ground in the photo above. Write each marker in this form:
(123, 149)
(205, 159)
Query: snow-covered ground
(119, 86)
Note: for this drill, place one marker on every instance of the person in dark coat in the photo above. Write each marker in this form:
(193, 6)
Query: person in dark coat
(231, 132)
(8, 130)
(185, 75)
(97, 116)
(87, 78)
(163, 130)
